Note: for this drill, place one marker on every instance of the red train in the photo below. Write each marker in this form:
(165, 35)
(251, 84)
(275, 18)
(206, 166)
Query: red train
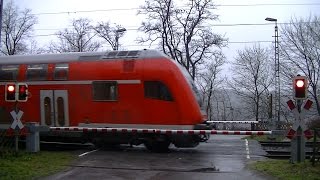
(127, 89)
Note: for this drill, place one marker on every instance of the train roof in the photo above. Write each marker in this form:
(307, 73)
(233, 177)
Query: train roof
(80, 56)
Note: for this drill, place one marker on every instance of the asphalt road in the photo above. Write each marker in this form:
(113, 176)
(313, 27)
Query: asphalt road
(222, 157)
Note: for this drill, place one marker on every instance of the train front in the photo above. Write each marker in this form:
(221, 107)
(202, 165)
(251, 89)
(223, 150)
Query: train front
(189, 114)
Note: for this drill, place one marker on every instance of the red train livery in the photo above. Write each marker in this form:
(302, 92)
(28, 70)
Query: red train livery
(127, 89)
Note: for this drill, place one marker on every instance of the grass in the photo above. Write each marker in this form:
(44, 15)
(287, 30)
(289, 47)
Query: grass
(282, 169)
(277, 138)
(33, 165)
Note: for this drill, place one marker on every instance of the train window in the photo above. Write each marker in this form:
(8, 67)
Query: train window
(157, 90)
(60, 108)
(105, 90)
(9, 72)
(37, 72)
(47, 111)
(61, 72)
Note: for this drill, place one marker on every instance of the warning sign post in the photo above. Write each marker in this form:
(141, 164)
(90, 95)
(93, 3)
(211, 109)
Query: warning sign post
(299, 131)
(16, 128)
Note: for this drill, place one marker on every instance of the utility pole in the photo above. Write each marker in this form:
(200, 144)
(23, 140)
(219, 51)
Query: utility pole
(1, 9)
(277, 73)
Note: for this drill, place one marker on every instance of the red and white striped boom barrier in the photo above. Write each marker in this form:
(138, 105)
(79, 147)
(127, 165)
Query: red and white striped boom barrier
(240, 122)
(158, 131)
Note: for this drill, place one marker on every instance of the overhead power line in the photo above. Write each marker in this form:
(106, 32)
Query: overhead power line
(131, 9)
(135, 28)
(275, 4)
(85, 11)
(229, 42)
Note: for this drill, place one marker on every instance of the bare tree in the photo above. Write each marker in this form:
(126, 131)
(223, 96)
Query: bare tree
(184, 33)
(251, 78)
(79, 38)
(209, 82)
(17, 26)
(300, 52)
(109, 33)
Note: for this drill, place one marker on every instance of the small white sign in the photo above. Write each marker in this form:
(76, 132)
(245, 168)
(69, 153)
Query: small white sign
(16, 119)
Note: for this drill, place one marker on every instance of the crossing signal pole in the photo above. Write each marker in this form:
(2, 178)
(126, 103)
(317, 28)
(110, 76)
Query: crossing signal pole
(299, 131)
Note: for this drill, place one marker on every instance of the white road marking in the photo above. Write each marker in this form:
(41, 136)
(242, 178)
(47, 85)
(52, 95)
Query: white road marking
(86, 153)
(247, 148)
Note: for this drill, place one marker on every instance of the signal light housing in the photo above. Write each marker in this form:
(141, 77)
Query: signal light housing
(22, 92)
(16, 92)
(300, 87)
(10, 92)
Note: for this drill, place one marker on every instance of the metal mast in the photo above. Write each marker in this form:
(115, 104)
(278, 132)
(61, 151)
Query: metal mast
(276, 73)
(277, 76)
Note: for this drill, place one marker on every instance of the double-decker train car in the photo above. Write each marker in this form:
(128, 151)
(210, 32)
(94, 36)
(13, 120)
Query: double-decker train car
(116, 89)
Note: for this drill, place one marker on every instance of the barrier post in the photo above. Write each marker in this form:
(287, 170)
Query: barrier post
(33, 139)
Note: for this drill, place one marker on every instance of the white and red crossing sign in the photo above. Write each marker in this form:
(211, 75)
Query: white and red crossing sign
(299, 119)
(16, 123)
(159, 131)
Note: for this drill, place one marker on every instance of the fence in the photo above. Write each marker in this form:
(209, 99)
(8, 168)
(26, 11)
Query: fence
(7, 146)
(316, 147)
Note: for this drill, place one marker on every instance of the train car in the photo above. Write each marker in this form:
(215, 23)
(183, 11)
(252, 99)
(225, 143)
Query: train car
(116, 89)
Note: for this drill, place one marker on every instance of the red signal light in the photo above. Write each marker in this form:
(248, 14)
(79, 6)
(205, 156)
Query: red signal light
(300, 87)
(300, 83)
(16, 92)
(11, 88)
(23, 92)
(10, 93)
(22, 88)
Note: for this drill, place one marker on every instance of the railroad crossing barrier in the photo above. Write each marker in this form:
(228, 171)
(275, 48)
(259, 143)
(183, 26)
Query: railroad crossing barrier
(231, 124)
(240, 122)
(159, 131)
(33, 129)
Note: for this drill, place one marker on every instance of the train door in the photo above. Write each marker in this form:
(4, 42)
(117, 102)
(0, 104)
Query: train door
(54, 108)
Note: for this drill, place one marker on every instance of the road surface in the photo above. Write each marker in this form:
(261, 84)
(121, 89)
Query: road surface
(222, 157)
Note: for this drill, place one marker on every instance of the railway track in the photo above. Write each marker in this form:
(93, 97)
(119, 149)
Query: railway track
(283, 144)
(284, 154)
(44, 145)
(281, 150)
(60, 146)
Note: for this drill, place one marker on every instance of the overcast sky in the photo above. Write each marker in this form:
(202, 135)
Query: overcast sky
(124, 12)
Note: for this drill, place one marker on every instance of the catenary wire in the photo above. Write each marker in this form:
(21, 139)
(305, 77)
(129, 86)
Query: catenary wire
(221, 5)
